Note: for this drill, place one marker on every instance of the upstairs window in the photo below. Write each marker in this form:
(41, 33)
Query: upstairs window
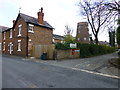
(4, 36)
(31, 28)
(19, 30)
(11, 33)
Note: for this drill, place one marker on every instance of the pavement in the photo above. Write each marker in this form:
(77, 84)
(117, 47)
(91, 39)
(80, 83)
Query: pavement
(98, 64)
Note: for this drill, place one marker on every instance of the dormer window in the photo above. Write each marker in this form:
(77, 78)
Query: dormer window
(19, 30)
(4, 36)
(31, 28)
(11, 33)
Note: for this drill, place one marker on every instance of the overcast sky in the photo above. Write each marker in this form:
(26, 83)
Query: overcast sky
(57, 13)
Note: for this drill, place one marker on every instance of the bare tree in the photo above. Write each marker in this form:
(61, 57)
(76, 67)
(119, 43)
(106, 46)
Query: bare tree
(114, 6)
(68, 30)
(97, 15)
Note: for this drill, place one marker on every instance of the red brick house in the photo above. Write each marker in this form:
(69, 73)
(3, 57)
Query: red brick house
(26, 32)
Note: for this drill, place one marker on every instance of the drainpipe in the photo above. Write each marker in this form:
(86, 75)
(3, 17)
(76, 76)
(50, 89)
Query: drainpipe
(27, 41)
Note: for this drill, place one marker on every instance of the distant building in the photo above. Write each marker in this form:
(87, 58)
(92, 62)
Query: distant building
(83, 32)
(58, 38)
(2, 28)
(103, 43)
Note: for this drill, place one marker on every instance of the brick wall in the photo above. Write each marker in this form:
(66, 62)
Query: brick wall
(41, 35)
(23, 38)
(67, 54)
(7, 41)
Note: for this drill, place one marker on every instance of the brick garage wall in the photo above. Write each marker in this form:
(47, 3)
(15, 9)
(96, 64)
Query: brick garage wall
(41, 36)
(67, 54)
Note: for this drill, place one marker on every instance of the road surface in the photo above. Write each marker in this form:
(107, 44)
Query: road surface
(19, 73)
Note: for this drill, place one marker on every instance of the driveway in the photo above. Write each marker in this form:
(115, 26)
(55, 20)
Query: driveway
(97, 64)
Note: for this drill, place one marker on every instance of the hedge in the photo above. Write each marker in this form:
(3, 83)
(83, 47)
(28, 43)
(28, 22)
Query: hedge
(87, 50)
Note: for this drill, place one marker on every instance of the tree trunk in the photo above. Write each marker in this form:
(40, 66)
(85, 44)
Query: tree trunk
(96, 39)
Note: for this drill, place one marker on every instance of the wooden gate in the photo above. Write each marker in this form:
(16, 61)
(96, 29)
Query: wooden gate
(37, 51)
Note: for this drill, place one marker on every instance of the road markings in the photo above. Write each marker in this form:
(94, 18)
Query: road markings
(77, 65)
(111, 76)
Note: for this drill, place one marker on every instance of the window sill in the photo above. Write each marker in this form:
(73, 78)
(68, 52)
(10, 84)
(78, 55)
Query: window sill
(18, 50)
(19, 35)
(30, 31)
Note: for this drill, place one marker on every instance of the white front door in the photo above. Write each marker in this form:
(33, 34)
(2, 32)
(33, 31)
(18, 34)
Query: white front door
(10, 45)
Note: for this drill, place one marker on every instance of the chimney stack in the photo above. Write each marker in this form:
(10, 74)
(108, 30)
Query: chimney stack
(41, 16)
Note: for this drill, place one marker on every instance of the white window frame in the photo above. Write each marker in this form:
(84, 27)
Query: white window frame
(19, 45)
(85, 38)
(31, 28)
(4, 36)
(19, 30)
(9, 45)
(62, 41)
(0, 46)
(3, 46)
(11, 33)
(53, 40)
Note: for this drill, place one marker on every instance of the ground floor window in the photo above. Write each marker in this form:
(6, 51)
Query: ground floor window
(0, 46)
(3, 46)
(19, 45)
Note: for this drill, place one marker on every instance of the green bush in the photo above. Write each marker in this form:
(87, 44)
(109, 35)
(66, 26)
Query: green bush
(118, 36)
(62, 46)
(87, 50)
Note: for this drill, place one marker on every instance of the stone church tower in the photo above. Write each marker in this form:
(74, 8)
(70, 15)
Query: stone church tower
(82, 32)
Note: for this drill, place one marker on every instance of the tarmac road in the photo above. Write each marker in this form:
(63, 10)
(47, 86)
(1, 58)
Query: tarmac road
(18, 73)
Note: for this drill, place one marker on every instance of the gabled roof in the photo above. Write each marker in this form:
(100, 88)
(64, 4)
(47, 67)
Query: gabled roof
(3, 28)
(58, 37)
(33, 20)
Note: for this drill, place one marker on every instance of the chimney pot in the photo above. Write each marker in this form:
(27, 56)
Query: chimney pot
(41, 16)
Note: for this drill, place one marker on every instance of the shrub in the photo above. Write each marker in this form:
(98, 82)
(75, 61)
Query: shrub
(62, 46)
(88, 50)
(118, 36)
